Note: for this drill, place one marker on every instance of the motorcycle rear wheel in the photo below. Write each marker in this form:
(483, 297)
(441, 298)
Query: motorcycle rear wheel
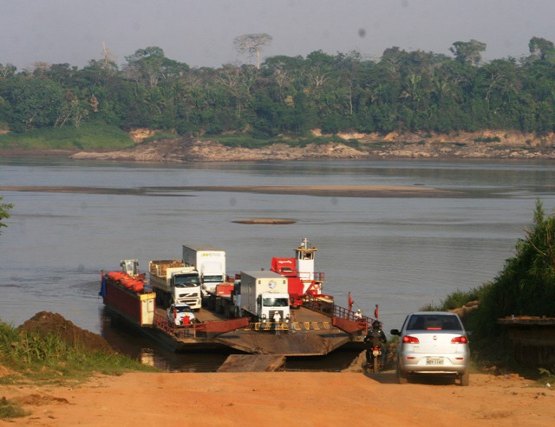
(376, 366)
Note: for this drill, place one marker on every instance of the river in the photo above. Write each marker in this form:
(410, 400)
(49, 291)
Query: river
(399, 252)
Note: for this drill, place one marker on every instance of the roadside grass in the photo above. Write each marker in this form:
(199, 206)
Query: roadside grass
(49, 359)
(90, 136)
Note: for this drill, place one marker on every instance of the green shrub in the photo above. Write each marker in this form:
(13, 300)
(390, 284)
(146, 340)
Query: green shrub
(453, 300)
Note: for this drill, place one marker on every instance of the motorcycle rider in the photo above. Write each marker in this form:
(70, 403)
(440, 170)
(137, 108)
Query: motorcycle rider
(375, 336)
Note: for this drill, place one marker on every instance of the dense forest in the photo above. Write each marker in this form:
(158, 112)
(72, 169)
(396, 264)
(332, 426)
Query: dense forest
(403, 91)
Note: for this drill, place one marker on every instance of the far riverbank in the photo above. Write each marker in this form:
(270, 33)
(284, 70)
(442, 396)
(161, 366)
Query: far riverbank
(483, 145)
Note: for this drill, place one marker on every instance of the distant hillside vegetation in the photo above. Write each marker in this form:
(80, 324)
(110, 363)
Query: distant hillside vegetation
(403, 91)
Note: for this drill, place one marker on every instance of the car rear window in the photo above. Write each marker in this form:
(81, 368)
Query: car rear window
(434, 322)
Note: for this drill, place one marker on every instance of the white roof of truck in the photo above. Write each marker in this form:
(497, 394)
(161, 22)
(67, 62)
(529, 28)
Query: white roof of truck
(262, 274)
(203, 248)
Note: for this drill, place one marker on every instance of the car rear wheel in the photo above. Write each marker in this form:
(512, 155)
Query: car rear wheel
(464, 378)
(401, 376)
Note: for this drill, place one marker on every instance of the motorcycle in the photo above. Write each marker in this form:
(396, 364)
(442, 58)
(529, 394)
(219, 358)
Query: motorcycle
(374, 361)
(375, 341)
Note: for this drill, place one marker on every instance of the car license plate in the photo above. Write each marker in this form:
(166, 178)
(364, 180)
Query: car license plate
(434, 361)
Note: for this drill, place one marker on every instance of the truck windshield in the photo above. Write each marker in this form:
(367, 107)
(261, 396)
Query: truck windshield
(186, 281)
(275, 302)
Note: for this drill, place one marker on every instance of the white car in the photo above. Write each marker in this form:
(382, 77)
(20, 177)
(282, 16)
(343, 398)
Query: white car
(432, 343)
(178, 312)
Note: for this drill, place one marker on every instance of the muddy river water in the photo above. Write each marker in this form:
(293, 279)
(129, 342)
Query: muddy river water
(397, 250)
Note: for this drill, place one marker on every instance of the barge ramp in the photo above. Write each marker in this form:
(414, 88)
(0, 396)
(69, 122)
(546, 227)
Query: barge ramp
(310, 334)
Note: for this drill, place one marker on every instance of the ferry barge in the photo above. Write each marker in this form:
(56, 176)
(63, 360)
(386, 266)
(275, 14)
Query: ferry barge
(231, 319)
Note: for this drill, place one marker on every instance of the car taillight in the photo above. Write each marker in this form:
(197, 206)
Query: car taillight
(459, 340)
(407, 339)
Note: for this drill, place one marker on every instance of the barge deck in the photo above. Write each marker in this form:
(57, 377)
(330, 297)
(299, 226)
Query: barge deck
(312, 331)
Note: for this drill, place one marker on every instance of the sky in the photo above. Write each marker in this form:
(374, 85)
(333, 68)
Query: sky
(201, 32)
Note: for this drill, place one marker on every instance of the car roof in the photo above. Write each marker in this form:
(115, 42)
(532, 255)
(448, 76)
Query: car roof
(433, 313)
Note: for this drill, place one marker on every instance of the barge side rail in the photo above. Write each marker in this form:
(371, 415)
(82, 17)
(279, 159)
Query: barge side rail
(188, 331)
(341, 317)
(202, 329)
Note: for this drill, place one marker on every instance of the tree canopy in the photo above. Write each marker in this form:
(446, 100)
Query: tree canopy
(401, 91)
(252, 44)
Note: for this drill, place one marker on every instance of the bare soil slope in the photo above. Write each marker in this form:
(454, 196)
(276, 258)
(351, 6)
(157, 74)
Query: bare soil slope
(46, 323)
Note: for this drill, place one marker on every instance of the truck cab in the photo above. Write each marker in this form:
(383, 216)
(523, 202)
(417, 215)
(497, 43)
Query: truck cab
(209, 280)
(264, 295)
(186, 288)
(273, 307)
(210, 263)
(174, 282)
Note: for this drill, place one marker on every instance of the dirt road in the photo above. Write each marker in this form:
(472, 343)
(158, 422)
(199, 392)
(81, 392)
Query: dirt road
(285, 398)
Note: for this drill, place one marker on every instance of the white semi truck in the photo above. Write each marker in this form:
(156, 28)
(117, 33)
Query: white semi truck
(264, 296)
(209, 262)
(174, 282)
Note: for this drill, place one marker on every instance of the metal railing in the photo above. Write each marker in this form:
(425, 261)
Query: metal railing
(334, 311)
(202, 329)
(185, 331)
